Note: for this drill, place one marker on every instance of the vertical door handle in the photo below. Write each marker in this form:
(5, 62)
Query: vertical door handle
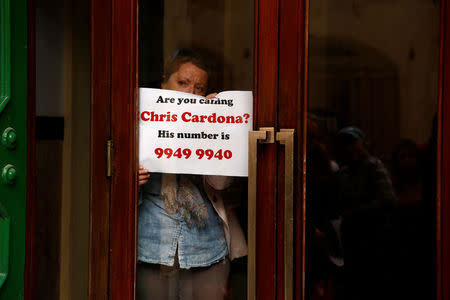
(5, 54)
(265, 136)
(286, 138)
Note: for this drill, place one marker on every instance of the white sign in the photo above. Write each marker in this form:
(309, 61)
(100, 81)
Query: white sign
(183, 133)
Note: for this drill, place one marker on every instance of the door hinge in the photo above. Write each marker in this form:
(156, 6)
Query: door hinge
(109, 158)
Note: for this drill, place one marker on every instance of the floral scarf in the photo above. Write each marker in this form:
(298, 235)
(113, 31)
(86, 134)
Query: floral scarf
(182, 195)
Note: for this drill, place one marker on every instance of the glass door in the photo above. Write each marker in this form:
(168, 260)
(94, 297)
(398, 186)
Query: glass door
(192, 225)
(200, 48)
(336, 89)
(373, 191)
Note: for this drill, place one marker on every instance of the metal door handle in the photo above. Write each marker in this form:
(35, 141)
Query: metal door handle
(286, 138)
(263, 135)
(5, 54)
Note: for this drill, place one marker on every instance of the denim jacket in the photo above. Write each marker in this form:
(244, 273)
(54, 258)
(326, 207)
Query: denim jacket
(160, 234)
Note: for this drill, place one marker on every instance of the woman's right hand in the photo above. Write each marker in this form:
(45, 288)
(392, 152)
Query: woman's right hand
(144, 175)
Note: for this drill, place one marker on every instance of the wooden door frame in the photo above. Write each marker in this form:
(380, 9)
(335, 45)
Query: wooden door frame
(113, 214)
(290, 73)
(296, 35)
(265, 87)
(443, 159)
(292, 112)
(99, 207)
(287, 103)
(124, 189)
(113, 207)
(114, 93)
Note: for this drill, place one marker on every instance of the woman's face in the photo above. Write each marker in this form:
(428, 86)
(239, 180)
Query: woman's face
(189, 79)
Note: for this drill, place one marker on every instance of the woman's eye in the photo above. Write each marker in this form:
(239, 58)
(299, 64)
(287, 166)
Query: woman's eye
(200, 89)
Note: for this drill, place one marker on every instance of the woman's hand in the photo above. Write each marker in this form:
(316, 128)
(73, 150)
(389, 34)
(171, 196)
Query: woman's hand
(144, 175)
(212, 95)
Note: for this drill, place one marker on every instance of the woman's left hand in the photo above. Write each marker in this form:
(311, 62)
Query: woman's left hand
(212, 95)
(143, 175)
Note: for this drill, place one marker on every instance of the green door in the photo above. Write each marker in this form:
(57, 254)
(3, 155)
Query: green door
(13, 146)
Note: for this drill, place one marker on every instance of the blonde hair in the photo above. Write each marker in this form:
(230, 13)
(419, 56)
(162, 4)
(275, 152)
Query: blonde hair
(180, 57)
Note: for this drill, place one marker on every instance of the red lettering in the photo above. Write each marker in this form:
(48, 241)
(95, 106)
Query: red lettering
(212, 118)
(185, 116)
(154, 117)
(143, 116)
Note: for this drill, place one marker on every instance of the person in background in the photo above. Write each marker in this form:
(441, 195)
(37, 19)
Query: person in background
(323, 251)
(365, 198)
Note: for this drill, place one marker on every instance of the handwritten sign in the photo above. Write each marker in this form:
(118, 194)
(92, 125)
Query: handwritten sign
(183, 133)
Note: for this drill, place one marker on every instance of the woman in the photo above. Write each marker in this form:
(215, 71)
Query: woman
(187, 235)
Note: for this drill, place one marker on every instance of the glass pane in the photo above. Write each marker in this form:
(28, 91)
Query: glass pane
(61, 252)
(199, 47)
(371, 155)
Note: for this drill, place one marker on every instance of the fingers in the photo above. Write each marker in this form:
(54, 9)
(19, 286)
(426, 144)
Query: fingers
(143, 179)
(142, 182)
(144, 175)
(212, 95)
(143, 172)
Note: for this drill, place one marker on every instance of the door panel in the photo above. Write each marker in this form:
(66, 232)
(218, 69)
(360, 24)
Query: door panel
(14, 115)
(373, 232)
(228, 28)
(287, 62)
(123, 205)
(443, 166)
(266, 90)
(291, 107)
(101, 132)
(218, 38)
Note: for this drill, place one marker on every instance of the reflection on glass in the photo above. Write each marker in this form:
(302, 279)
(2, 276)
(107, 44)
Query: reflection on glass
(371, 149)
(191, 244)
(63, 148)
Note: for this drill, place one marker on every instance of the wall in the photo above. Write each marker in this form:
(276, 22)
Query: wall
(224, 28)
(405, 33)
